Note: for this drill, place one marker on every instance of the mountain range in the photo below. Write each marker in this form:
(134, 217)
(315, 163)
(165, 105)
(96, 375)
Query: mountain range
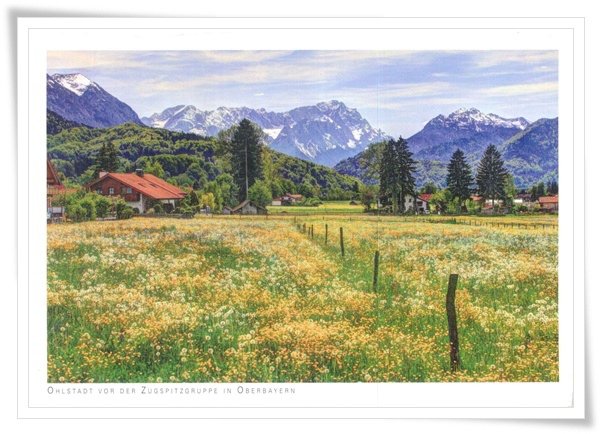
(330, 133)
(76, 98)
(530, 150)
(324, 133)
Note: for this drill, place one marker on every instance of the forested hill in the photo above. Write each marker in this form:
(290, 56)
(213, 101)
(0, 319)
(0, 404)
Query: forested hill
(188, 159)
(56, 123)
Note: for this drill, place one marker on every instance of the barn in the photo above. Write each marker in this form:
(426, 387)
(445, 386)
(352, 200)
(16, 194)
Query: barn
(248, 207)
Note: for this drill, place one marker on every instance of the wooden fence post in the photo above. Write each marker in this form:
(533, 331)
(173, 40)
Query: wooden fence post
(326, 233)
(375, 270)
(452, 325)
(342, 240)
(312, 231)
(303, 228)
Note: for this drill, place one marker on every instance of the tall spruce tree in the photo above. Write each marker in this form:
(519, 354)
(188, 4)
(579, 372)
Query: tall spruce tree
(407, 168)
(388, 174)
(491, 175)
(396, 173)
(459, 178)
(107, 159)
(246, 157)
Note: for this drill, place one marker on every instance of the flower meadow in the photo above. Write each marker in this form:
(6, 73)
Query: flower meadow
(256, 299)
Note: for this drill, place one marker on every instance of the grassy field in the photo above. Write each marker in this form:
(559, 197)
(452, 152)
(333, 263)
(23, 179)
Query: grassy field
(328, 207)
(229, 299)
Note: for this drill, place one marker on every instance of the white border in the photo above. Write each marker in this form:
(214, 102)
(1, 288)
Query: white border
(36, 36)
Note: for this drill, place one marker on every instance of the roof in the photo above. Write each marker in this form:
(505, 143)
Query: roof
(425, 197)
(548, 199)
(149, 185)
(295, 196)
(52, 176)
(244, 203)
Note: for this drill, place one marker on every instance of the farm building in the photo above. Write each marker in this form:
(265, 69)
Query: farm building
(248, 208)
(54, 187)
(287, 199)
(420, 204)
(139, 190)
(226, 210)
(548, 203)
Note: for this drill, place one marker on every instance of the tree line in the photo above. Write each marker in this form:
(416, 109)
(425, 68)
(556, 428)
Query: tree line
(394, 167)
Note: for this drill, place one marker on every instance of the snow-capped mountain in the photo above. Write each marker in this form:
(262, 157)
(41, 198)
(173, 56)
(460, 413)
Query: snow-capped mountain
(471, 130)
(325, 133)
(77, 98)
(530, 150)
(189, 119)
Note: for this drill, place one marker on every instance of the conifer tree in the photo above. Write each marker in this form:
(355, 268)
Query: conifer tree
(246, 157)
(396, 173)
(107, 159)
(491, 175)
(459, 178)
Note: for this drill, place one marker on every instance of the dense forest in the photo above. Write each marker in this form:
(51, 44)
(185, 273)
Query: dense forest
(188, 160)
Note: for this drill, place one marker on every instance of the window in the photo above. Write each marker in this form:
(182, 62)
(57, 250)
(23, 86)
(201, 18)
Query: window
(128, 190)
(125, 190)
(111, 190)
(99, 190)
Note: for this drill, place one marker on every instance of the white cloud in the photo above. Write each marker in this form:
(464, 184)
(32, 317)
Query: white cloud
(487, 59)
(61, 60)
(522, 89)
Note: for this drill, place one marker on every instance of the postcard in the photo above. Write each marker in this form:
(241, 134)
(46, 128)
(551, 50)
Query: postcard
(300, 218)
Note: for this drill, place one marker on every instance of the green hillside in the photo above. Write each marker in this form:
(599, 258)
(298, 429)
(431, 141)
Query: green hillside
(187, 159)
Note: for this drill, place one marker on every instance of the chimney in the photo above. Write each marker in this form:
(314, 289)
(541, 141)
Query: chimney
(139, 172)
(102, 174)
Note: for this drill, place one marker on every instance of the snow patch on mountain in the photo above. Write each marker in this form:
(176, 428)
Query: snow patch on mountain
(76, 83)
(324, 133)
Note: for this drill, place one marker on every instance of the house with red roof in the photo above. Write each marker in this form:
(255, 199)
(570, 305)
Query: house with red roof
(548, 203)
(420, 204)
(138, 189)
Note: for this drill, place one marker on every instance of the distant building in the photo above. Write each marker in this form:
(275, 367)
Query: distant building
(549, 203)
(54, 187)
(523, 199)
(139, 190)
(287, 199)
(226, 210)
(420, 204)
(248, 207)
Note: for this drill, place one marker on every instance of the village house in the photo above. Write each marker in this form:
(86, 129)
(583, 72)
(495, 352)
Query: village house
(420, 204)
(287, 199)
(248, 207)
(54, 187)
(139, 190)
(548, 203)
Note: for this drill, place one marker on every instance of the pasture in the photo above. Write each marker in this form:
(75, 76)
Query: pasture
(256, 299)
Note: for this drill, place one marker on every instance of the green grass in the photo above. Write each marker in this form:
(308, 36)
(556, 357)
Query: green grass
(328, 207)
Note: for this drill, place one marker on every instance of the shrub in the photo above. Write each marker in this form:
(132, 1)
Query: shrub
(123, 210)
(89, 206)
(126, 213)
(103, 205)
(76, 212)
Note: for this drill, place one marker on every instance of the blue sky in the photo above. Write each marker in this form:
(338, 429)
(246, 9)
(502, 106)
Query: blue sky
(397, 91)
